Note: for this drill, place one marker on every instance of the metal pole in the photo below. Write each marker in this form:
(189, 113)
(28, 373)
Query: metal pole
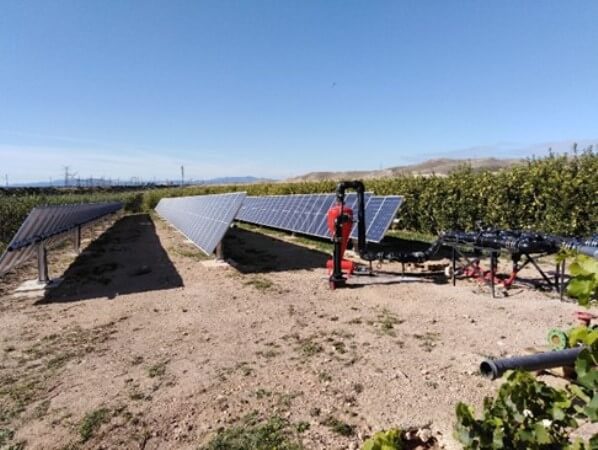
(562, 283)
(337, 272)
(219, 252)
(492, 272)
(540, 271)
(42, 264)
(454, 265)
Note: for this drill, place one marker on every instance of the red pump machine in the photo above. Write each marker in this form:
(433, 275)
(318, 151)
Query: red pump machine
(344, 215)
(340, 224)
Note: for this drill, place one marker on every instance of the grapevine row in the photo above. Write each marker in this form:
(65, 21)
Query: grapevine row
(557, 194)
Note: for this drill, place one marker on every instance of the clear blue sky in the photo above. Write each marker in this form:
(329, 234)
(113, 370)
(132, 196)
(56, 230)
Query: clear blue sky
(278, 88)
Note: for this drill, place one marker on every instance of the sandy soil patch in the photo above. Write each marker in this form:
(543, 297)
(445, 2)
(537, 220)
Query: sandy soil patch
(143, 346)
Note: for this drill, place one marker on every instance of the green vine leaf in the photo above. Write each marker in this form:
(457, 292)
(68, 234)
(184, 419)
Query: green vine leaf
(583, 285)
(385, 440)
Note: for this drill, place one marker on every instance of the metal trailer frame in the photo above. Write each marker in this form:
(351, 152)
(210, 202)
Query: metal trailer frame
(490, 277)
(44, 246)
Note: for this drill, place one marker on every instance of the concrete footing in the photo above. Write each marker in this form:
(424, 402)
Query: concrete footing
(34, 288)
(215, 263)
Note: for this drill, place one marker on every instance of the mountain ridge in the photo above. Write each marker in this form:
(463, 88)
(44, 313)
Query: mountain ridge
(436, 166)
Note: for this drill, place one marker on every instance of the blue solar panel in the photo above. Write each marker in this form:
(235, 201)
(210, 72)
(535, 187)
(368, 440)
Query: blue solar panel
(203, 219)
(48, 225)
(379, 214)
(298, 213)
(306, 214)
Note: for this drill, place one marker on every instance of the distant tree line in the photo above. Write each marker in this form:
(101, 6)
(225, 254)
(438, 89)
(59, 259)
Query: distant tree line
(556, 194)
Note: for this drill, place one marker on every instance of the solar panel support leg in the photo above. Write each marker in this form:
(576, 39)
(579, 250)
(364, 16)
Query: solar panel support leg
(493, 269)
(77, 240)
(42, 264)
(219, 252)
(562, 280)
(454, 265)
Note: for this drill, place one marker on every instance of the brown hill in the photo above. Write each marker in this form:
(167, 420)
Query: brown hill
(441, 166)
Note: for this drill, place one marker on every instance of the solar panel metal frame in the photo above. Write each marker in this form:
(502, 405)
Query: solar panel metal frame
(257, 209)
(49, 224)
(174, 210)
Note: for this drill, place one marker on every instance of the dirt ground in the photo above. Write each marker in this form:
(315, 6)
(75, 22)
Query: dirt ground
(146, 344)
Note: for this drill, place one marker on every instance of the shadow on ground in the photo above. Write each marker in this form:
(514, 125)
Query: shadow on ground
(258, 253)
(126, 259)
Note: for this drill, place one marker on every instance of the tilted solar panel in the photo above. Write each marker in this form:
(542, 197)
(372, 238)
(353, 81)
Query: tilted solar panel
(203, 219)
(301, 213)
(49, 224)
(379, 214)
(306, 213)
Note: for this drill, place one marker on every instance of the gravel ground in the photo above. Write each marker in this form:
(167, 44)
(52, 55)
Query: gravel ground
(148, 345)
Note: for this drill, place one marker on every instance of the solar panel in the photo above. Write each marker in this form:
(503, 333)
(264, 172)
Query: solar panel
(203, 219)
(47, 225)
(379, 214)
(306, 213)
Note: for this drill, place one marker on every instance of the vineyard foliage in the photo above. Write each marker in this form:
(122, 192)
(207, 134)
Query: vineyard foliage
(528, 413)
(557, 194)
(584, 281)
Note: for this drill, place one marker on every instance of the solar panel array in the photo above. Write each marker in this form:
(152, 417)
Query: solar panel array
(203, 219)
(306, 214)
(49, 224)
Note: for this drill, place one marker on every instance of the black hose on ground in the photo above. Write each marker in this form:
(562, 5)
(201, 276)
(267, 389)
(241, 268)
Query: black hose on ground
(495, 368)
